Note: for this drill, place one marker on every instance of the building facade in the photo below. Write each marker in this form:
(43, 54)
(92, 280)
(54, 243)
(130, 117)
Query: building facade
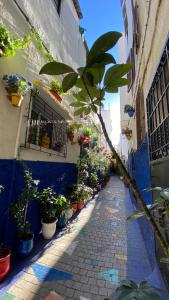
(56, 25)
(147, 46)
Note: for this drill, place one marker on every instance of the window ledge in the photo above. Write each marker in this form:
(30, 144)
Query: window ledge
(42, 149)
(61, 109)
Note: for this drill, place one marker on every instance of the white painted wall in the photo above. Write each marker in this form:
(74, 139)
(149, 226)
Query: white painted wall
(106, 114)
(153, 27)
(61, 35)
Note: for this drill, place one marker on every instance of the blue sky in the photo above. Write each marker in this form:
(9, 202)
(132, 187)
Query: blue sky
(100, 17)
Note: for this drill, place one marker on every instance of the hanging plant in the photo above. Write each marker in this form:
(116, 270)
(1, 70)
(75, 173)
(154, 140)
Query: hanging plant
(128, 109)
(9, 44)
(17, 87)
(127, 132)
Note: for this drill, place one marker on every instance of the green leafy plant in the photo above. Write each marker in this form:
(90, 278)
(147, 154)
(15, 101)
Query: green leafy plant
(93, 80)
(129, 290)
(17, 84)
(76, 192)
(45, 52)
(47, 202)
(9, 44)
(62, 204)
(128, 108)
(18, 209)
(57, 87)
(93, 180)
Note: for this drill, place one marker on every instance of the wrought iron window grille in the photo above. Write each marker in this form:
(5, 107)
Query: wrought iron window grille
(158, 109)
(46, 128)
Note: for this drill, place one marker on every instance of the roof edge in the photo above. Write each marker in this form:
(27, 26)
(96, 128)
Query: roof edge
(78, 9)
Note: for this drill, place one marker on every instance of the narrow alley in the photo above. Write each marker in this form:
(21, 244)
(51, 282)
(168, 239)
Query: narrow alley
(97, 251)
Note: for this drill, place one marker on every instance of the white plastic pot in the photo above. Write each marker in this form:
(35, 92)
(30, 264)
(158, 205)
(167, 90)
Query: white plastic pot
(48, 229)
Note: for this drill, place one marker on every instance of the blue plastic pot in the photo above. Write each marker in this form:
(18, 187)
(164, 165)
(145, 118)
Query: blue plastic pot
(25, 246)
(62, 221)
(130, 113)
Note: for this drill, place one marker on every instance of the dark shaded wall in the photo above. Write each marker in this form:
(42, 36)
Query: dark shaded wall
(58, 175)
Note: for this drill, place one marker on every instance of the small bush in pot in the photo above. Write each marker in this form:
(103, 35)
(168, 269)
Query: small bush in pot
(137, 291)
(19, 210)
(63, 212)
(48, 210)
(78, 195)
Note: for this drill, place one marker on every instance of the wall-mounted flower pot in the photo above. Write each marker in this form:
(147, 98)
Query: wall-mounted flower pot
(70, 137)
(57, 97)
(74, 207)
(16, 99)
(128, 136)
(80, 204)
(4, 262)
(48, 228)
(130, 113)
(25, 245)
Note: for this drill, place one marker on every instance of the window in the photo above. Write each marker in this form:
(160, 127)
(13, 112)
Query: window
(125, 18)
(46, 128)
(136, 31)
(140, 118)
(131, 74)
(58, 5)
(158, 109)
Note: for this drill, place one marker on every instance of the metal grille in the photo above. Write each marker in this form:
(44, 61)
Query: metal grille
(158, 109)
(46, 128)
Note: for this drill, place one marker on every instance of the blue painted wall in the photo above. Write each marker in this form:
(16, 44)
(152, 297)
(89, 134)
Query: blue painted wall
(58, 175)
(139, 168)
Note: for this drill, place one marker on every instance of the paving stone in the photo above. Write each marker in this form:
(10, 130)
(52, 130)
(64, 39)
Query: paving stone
(108, 249)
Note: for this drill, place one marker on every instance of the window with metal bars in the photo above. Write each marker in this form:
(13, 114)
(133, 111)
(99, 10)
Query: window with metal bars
(46, 129)
(158, 109)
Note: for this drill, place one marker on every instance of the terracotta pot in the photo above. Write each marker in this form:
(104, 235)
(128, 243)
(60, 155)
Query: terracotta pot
(16, 99)
(57, 97)
(80, 204)
(74, 207)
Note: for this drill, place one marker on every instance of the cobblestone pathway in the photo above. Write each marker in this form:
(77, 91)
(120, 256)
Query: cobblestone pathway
(89, 261)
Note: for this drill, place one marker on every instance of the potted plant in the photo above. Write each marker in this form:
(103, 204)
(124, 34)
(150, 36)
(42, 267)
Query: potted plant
(71, 132)
(138, 291)
(5, 255)
(48, 208)
(17, 87)
(56, 90)
(9, 44)
(85, 193)
(127, 132)
(129, 110)
(19, 210)
(64, 213)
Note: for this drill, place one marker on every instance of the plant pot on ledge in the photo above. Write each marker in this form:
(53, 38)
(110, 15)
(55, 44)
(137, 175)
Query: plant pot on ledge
(57, 97)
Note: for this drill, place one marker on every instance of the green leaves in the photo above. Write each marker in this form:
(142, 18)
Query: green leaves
(69, 81)
(56, 68)
(137, 214)
(103, 59)
(115, 73)
(102, 45)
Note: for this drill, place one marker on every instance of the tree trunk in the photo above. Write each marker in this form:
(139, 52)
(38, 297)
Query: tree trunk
(135, 191)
